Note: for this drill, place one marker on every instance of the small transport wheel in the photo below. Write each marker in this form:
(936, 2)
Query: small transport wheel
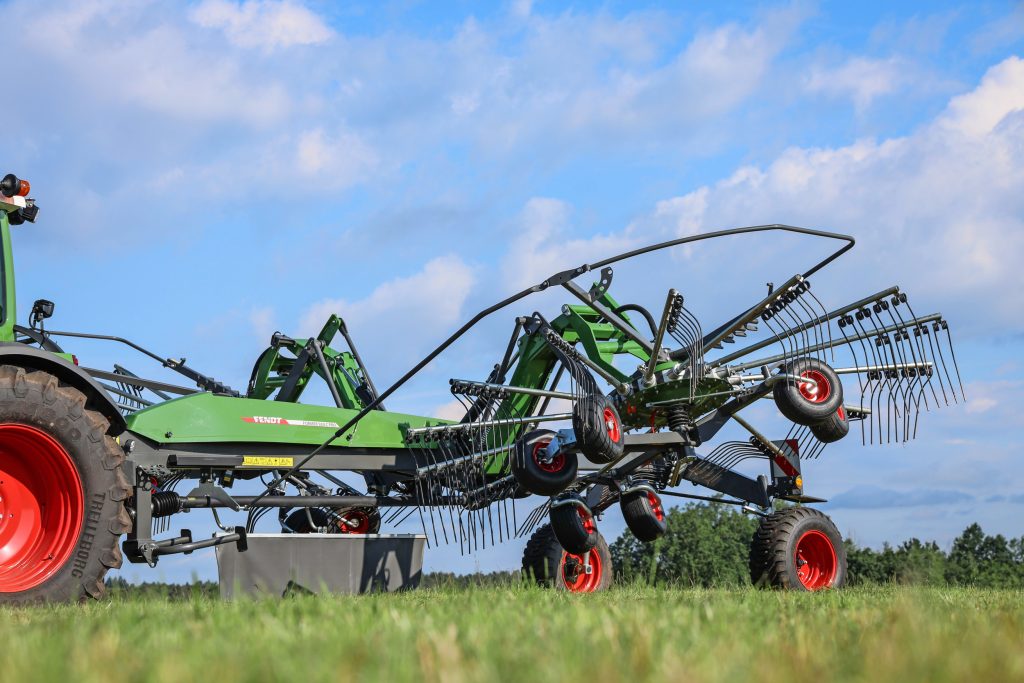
(798, 549)
(574, 525)
(813, 400)
(62, 492)
(355, 520)
(547, 563)
(644, 514)
(598, 429)
(835, 427)
(544, 478)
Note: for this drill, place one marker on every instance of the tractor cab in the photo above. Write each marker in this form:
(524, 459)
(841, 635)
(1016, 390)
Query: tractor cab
(16, 207)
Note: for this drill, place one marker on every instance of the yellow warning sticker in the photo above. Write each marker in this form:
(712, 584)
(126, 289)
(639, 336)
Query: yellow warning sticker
(263, 461)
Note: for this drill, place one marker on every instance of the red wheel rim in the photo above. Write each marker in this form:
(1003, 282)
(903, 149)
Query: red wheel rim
(589, 525)
(574, 574)
(815, 560)
(841, 413)
(557, 463)
(655, 503)
(817, 389)
(41, 507)
(611, 424)
(354, 522)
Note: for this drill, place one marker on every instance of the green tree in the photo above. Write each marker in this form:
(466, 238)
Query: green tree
(981, 560)
(919, 563)
(704, 545)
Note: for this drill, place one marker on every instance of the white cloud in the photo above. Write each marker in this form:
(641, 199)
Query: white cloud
(452, 410)
(1000, 94)
(262, 320)
(542, 246)
(132, 55)
(404, 315)
(522, 8)
(860, 79)
(265, 24)
(338, 160)
(941, 207)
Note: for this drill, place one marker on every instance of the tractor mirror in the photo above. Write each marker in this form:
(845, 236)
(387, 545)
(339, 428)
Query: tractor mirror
(41, 310)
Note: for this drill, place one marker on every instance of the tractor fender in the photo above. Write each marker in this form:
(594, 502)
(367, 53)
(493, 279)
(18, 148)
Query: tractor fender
(27, 357)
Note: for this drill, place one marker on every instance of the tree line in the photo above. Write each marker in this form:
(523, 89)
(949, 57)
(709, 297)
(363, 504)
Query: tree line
(708, 545)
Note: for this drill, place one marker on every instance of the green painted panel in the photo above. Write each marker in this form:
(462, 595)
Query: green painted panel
(206, 418)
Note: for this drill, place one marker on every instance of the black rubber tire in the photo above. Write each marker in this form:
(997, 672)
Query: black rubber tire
(528, 471)
(543, 558)
(598, 442)
(799, 409)
(646, 520)
(574, 526)
(834, 428)
(40, 400)
(773, 560)
(297, 522)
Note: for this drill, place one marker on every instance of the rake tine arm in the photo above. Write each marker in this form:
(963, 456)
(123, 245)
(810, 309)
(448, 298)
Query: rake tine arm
(861, 335)
(739, 353)
(670, 303)
(752, 314)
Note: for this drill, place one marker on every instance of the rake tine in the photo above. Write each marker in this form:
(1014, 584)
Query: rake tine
(823, 320)
(952, 355)
(937, 327)
(807, 324)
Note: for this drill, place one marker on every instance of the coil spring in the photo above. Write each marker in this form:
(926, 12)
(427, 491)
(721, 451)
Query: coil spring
(678, 419)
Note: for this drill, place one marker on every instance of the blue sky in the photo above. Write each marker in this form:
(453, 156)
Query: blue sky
(212, 171)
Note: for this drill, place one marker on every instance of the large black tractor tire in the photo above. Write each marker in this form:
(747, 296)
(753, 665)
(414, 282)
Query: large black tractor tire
(535, 476)
(354, 520)
(598, 429)
(644, 515)
(834, 428)
(62, 492)
(574, 526)
(550, 565)
(809, 403)
(798, 549)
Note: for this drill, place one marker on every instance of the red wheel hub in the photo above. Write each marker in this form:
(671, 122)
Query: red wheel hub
(815, 387)
(815, 560)
(611, 424)
(574, 572)
(557, 463)
(354, 522)
(655, 503)
(589, 525)
(41, 507)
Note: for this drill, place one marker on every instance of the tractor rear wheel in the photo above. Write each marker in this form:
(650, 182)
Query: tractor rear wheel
(798, 549)
(62, 492)
(644, 515)
(550, 565)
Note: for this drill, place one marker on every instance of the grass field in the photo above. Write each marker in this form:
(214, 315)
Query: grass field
(522, 634)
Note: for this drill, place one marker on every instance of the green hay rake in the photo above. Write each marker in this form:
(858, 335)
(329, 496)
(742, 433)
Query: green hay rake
(91, 460)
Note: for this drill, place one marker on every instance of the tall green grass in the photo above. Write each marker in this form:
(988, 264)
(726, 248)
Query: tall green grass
(517, 633)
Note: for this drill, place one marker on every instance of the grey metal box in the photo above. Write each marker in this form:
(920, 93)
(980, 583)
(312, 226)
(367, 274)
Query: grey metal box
(278, 564)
